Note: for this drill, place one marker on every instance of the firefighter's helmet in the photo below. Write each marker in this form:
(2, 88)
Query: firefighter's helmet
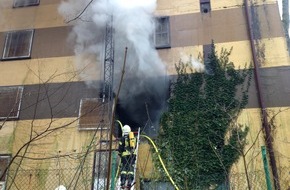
(126, 130)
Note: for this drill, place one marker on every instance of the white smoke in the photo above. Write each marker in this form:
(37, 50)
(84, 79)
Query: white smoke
(133, 23)
(195, 64)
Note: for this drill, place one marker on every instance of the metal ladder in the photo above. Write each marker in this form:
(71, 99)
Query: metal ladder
(118, 181)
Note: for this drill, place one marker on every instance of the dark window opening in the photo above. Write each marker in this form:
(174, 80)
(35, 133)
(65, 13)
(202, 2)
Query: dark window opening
(25, 3)
(10, 102)
(18, 45)
(162, 33)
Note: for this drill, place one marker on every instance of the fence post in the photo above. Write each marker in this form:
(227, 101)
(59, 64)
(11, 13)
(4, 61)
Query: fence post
(114, 166)
(266, 168)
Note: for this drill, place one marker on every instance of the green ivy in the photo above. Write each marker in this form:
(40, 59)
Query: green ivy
(198, 138)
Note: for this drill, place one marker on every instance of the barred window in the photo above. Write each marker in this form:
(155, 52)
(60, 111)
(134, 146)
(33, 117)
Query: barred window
(18, 44)
(162, 33)
(205, 6)
(4, 162)
(93, 114)
(10, 102)
(25, 3)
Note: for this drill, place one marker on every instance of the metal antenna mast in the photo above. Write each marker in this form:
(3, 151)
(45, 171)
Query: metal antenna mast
(108, 61)
(102, 156)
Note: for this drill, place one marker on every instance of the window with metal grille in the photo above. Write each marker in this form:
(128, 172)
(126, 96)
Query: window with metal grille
(25, 3)
(205, 6)
(4, 162)
(10, 102)
(18, 44)
(162, 33)
(93, 114)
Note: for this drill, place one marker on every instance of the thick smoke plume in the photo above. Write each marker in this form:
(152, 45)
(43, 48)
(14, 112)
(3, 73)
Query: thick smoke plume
(145, 82)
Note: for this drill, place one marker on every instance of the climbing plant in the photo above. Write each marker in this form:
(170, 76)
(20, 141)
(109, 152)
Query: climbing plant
(199, 140)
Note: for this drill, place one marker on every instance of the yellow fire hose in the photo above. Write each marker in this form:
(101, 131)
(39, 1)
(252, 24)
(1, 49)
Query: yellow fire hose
(161, 161)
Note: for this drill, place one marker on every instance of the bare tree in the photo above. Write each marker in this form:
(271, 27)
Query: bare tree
(37, 134)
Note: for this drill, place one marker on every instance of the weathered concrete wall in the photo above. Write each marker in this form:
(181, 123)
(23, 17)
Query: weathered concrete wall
(53, 61)
(43, 16)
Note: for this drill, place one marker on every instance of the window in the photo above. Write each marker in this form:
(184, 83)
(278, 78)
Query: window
(93, 114)
(18, 44)
(10, 101)
(25, 3)
(207, 50)
(205, 6)
(4, 162)
(162, 33)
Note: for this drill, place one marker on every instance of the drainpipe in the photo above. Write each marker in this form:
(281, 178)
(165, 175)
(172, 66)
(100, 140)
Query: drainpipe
(265, 123)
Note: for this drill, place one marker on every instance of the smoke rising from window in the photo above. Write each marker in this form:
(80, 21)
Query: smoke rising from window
(145, 78)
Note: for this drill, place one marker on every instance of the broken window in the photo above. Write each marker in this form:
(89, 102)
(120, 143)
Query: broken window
(205, 6)
(4, 162)
(93, 114)
(18, 44)
(25, 3)
(10, 101)
(162, 32)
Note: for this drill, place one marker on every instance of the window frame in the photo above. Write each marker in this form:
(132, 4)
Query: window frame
(8, 44)
(100, 124)
(18, 99)
(157, 22)
(8, 157)
(25, 3)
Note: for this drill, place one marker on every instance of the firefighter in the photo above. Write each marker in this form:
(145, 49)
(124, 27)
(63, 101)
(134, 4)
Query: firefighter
(127, 153)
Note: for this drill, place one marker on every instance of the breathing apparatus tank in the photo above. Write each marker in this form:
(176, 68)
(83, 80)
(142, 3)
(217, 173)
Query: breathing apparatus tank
(132, 140)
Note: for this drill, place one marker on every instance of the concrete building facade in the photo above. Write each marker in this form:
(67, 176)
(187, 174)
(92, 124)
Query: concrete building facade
(52, 118)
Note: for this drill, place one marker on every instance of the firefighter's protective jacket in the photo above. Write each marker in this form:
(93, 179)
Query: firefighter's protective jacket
(127, 146)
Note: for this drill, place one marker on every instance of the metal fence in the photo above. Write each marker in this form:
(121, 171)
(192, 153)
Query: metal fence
(42, 179)
(235, 181)
(81, 179)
